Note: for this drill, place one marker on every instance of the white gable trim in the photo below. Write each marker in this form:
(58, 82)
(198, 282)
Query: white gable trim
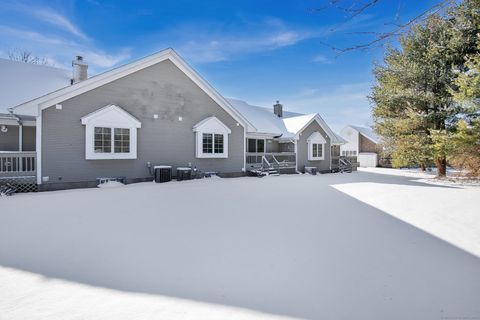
(212, 125)
(34, 107)
(316, 137)
(111, 115)
(321, 123)
(216, 128)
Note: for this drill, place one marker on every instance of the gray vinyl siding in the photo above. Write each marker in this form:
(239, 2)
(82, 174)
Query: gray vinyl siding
(9, 139)
(160, 89)
(302, 149)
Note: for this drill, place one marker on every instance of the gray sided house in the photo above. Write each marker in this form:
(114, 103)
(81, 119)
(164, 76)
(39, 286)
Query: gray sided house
(66, 133)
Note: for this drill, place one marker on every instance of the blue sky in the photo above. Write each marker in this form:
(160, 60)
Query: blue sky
(258, 51)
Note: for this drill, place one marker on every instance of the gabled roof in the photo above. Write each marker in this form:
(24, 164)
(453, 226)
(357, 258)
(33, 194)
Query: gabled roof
(296, 124)
(288, 127)
(339, 139)
(264, 120)
(212, 125)
(367, 133)
(110, 112)
(21, 82)
(33, 107)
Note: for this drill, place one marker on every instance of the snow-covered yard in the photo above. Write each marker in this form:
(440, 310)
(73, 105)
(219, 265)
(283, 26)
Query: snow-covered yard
(337, 246)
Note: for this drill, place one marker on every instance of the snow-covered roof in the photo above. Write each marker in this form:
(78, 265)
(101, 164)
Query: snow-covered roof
(295, 124)
(367, 133)
(339, 139)
(264, 120)
(21, 82)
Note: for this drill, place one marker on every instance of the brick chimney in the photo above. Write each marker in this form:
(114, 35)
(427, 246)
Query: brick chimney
(80, 69)
(278, 109)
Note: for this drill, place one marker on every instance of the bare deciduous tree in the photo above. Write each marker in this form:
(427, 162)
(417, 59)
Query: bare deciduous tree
(26, 56)
(354, 8)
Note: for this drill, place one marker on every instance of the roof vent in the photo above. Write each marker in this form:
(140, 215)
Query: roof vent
(80, 70)
(278, 109)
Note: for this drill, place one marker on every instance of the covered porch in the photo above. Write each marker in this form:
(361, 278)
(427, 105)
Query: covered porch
(268, 153)
(18, 157)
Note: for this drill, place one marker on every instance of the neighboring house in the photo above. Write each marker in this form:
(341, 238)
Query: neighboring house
(156, 110)
(362, 143)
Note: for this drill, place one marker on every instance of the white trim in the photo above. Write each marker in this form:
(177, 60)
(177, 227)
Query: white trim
(244, 169)
(112, 117)
(213, 126)
(310, 151)
(90, 153)
(296, 155)
(20, 137)
(260, 135)
(199, 146)
(66, 93)
(111, 114)
(14, 122)
(315, 138)
(321, 123)
(38, 147)
(331, 146)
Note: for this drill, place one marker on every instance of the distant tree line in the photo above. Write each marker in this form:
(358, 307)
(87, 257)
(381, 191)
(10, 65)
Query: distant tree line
(23, 55)
(426, 99)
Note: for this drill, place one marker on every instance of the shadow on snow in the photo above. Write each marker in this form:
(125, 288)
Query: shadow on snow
(289, 246)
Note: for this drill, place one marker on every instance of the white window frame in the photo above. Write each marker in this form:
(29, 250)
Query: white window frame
(213, 126)
(318, 139)
(112, 117)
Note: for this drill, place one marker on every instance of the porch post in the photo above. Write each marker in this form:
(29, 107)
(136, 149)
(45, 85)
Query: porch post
(20, 137)
(38, 146)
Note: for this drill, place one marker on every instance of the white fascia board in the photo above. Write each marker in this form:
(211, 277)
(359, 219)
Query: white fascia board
(211, 125)
(321, 123)
(51, 99)
(111, 115)
(316, 137)
(210, 90)
(261, 135)
(13, 122)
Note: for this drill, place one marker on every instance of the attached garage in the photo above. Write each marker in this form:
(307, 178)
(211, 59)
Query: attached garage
(368, 159)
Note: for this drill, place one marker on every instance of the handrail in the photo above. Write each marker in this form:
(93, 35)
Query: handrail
(270, 153)
(17, 162)
(265, 159)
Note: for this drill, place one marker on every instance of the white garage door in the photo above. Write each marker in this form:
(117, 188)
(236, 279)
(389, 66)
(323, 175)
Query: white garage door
(368, 159)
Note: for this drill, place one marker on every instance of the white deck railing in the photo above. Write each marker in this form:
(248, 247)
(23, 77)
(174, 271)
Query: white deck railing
(279, 159)
(14, 163)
